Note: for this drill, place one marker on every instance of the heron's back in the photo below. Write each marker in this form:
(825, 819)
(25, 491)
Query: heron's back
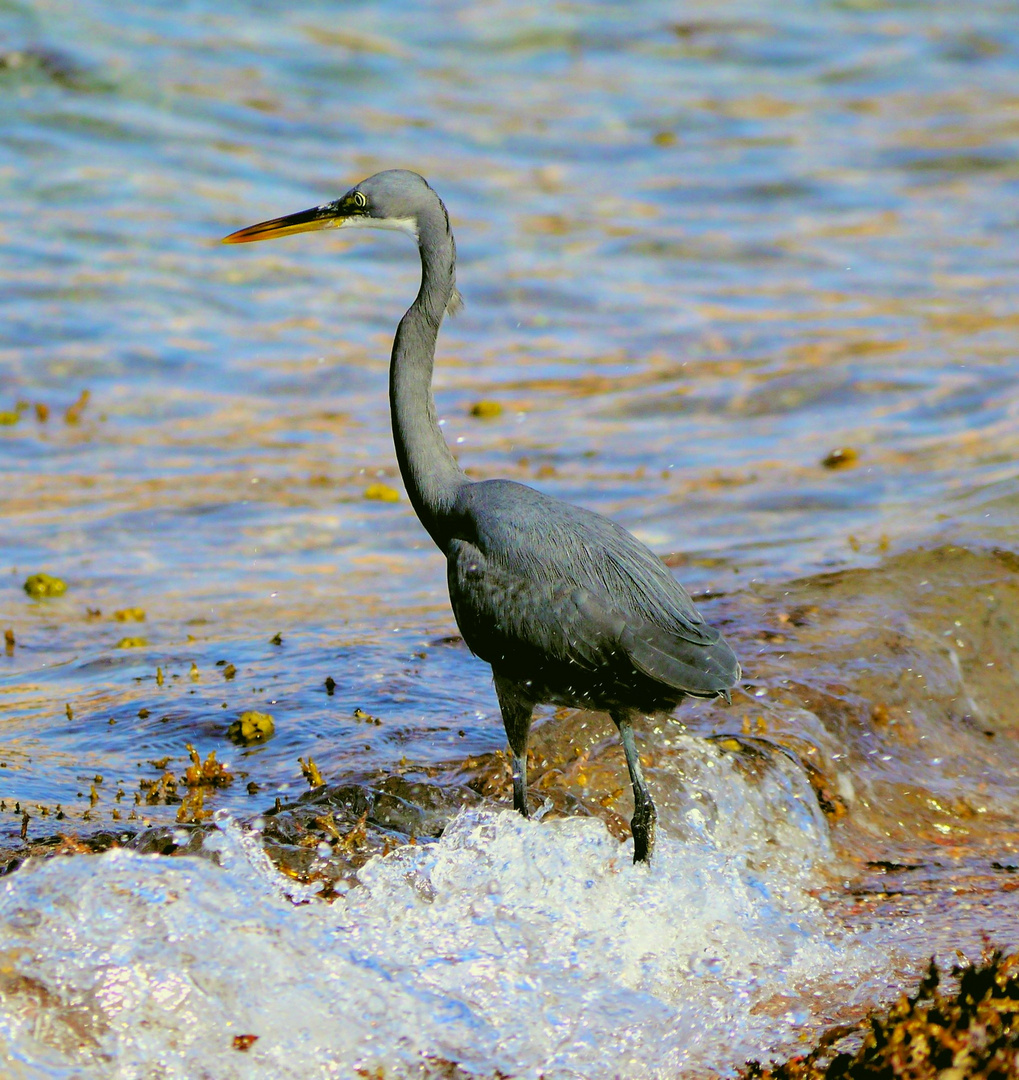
(567, 599)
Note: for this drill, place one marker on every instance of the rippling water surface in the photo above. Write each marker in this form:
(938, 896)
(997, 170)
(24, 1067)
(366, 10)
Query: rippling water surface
(740, 275)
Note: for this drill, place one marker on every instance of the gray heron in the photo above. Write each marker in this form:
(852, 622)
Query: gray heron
(566, 605)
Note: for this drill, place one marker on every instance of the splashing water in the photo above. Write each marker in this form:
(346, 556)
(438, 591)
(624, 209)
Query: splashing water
(537, 950)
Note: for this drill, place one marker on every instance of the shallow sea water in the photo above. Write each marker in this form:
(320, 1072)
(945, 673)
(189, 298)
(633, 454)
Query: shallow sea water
(702, 247)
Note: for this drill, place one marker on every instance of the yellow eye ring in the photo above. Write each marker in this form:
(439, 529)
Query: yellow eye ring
(360, 200)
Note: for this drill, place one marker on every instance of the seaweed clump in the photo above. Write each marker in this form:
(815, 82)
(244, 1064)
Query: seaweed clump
(971, 1033)
(40, 585)
(251, 727)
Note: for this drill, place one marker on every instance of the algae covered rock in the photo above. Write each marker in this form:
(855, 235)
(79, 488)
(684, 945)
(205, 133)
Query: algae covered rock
(251, 727)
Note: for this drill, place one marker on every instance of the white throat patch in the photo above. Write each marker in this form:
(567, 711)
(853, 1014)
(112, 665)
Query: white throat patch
(398, 224)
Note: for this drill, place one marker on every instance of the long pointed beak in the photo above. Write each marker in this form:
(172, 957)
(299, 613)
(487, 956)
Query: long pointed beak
(318, 217)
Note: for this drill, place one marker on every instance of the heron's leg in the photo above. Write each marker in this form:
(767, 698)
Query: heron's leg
(517, 710)
(644, 813)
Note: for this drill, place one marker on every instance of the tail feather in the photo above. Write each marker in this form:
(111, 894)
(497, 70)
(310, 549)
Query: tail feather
(701, 671)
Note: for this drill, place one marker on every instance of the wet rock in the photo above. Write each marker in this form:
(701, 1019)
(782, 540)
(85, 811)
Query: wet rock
(417, 808)
(328, 833)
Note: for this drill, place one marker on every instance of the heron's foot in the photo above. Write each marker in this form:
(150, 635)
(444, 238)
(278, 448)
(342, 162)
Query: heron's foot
(643, 825)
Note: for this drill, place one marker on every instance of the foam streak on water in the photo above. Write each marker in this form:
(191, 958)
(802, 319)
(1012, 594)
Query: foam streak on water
(535, 949)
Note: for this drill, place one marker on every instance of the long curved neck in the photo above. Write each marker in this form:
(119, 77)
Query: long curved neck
(430, 473)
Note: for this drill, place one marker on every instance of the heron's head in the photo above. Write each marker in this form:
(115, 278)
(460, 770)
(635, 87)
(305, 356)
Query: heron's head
(395, 199)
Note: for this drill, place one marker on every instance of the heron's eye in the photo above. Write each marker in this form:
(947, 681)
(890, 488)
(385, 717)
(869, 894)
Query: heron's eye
(359, 199)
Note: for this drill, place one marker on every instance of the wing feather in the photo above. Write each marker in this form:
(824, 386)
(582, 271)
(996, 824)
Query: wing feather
(534, 625)
(538, 581)
(537, 536)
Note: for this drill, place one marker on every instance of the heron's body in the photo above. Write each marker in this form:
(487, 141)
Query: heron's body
(566, 605)
(568, 602)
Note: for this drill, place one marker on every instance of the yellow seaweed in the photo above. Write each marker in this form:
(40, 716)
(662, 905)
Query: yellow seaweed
(251, 727)
(40, 585)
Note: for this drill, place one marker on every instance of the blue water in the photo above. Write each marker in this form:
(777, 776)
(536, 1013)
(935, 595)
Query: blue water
(701, 246)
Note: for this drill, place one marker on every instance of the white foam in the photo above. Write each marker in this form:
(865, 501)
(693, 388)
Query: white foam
(536, 949)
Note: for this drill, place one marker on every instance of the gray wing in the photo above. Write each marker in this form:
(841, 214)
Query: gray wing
(578, 589)
(502, 614)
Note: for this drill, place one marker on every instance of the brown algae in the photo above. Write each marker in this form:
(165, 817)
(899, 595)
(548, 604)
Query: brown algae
(971, 1033)
(72, 414)
(208, 773)
(310, 772)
